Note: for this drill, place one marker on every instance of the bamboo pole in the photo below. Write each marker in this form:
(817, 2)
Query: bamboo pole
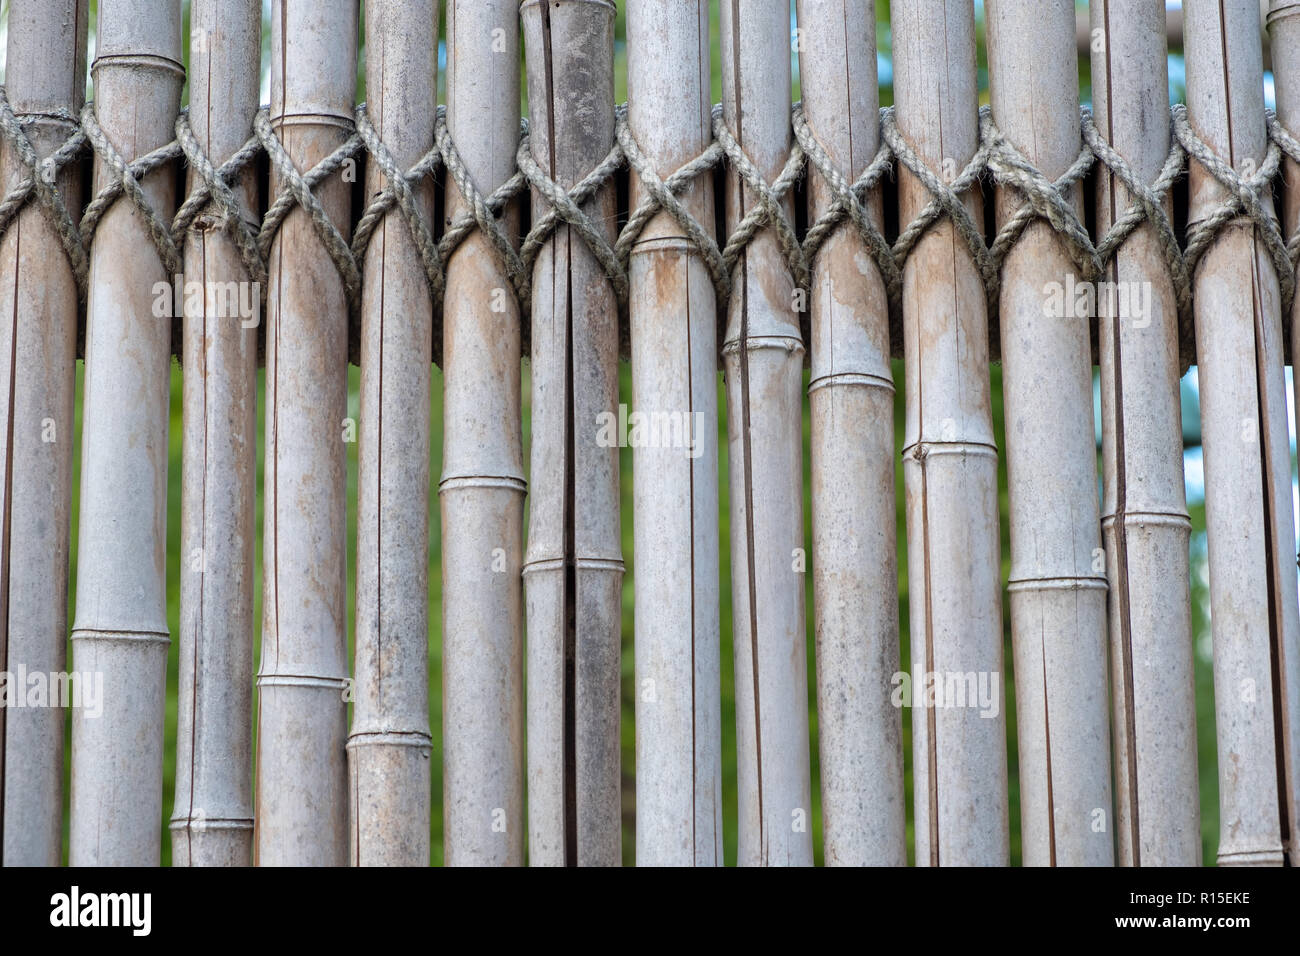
(45, 73)
(1284, 26)
(302, 802)
(1057, 591)
(854, 521)
(1144, 521)
(949, 457)
(390, 744)
(212, 816)
(762, 353)
(573, 569)
(1248, 513)
(482, 487)
(120, 630)
(675, 489)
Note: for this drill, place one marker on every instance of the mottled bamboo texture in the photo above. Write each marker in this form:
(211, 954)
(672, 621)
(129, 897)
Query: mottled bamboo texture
(1248, 511)
(482, 486)
(1144, 518)
(950, 463)
(675, 483)
(854, 518)
(45, 72)
(212, 815)
(120, 632)
(573, 572)
(390, 747)
(302, 801)
(1057, 587)
(1284, 26)
(763, 360)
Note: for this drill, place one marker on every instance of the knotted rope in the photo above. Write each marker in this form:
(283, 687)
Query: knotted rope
(41, 181)
(214, 202)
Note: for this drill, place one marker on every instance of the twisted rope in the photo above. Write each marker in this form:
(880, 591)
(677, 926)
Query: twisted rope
(213, 193)
(945, 200)
(767, 211)
(1244, 204)
(1147, 206)
(481, 213)
(662, 195)
(41, 183)
(296, 190)
(1043, 199)
(1290, 147)
(126, 182)
(399, 193)
(847, 205)
(566, 207)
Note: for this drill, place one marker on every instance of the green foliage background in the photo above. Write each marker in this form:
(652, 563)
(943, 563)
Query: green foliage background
(1204, 685)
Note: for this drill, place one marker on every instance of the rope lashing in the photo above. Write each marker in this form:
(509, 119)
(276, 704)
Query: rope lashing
(1244, 204)
(41, 183)
(566, 207)
(213, 192)
(662, 196)
(296, 190)
(399, 193)
(125, 182)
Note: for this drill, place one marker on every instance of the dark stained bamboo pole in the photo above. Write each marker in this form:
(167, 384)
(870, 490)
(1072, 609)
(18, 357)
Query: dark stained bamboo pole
(573, 569)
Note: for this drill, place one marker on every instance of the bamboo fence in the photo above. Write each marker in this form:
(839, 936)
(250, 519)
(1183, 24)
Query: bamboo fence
(823, 248)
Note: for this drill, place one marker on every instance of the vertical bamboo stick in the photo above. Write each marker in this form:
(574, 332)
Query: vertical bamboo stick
(302, 802)
(1248, 514)
(1057, 591)
(1284, 25)
(45, 73)
(390, 744)
(212, 816)
(1145, 522)
(949, 456)
(482, 486)
(573, 570)
(120, 631)
(763, 352)
(851, 393)
(675, 490)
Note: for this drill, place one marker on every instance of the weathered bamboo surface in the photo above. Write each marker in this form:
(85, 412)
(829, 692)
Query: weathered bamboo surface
(46, 73)
(673, 314)
(573, 569)
(302, 801)
(1248, 510)
(120, 629)
(1284, 27)
(390, 746)
(482, 487)
(1057, 587)
(949, 459)
(762, 353)
(212, 816)
(854, 519)
(1144, 517)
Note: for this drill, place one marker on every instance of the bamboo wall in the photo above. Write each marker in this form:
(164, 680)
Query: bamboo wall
(692, 318)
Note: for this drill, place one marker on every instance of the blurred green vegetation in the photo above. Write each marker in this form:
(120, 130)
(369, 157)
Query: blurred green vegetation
(1204, 682)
